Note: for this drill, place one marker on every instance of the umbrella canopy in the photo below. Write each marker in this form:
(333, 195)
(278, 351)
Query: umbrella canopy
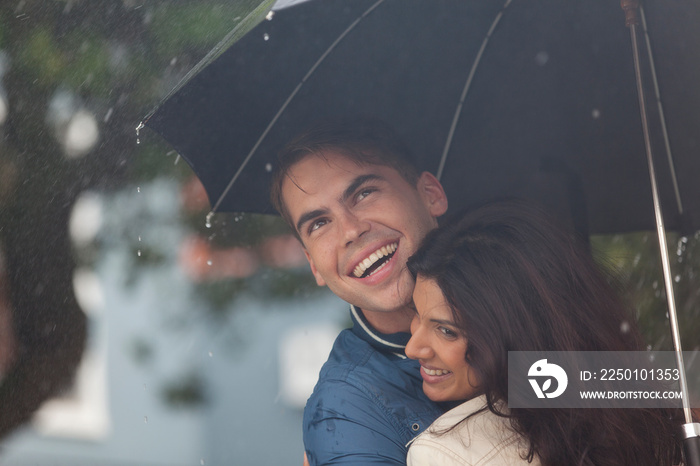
(550, 109)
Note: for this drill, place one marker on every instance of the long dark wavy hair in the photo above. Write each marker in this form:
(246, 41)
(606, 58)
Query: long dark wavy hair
(516, 281)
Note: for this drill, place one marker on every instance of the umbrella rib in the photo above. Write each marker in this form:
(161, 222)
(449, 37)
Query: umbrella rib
(286, 104)
(662, 116)
(467, 85)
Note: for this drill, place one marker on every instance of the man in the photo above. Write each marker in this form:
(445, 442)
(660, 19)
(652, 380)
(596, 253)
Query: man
(360, 210)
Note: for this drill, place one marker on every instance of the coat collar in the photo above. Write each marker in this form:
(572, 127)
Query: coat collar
(394, 343)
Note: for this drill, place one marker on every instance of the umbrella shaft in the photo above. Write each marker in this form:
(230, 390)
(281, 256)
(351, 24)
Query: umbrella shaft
(665, 262)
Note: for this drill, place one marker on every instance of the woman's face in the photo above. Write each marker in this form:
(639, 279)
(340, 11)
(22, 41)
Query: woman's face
(439, 346)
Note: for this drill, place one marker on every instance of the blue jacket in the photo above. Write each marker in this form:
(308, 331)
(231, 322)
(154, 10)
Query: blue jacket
(368, 403)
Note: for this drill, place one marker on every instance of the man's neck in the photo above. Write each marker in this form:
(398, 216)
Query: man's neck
(390, 322)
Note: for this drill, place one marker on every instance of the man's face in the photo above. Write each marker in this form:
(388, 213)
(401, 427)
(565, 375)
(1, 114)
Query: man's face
(359, 224)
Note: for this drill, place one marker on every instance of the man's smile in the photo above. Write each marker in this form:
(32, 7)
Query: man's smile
(375, 261)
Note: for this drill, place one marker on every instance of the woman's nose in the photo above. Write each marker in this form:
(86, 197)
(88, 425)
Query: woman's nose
(416, 348)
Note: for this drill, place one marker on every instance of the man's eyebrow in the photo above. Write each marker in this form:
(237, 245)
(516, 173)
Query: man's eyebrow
(357, 182)
(309, 216)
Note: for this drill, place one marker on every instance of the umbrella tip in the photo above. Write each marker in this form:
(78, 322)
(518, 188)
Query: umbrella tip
(207, 222)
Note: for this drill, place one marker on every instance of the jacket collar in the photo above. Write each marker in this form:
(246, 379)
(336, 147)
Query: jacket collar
(394, 343)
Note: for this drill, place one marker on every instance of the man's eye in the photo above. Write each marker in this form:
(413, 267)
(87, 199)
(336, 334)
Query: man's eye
(315, 225)
(364, 193)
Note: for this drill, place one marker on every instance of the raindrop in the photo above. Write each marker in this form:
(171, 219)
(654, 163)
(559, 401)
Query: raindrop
(625, 327)
(542, 58)
(138, 189)
(655, 284)
(266, 36)
(138, 130)
(270, 15)
(648, 347)
(108, 115)
(209, 262)
(145, 419)
(177, 159)
(201, 461)
(173, 61)
(595, 113)
(268, 167)
(139, 238)
(138, 253)
(3, 109)
(211, 354)
(677, 278)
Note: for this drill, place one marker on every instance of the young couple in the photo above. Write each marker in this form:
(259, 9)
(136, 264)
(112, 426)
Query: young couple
(435, 312)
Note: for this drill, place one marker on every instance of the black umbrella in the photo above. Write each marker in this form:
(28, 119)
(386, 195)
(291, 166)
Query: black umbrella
(553, 94)
(531, 98)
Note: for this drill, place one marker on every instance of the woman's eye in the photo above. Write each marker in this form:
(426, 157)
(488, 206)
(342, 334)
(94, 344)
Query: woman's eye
(447, 332)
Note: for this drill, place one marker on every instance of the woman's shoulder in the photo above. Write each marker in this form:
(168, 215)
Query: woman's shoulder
(484, 438)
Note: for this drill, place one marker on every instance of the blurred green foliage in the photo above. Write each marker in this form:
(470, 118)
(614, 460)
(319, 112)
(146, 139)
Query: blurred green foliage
(635, 261)
(115, 59)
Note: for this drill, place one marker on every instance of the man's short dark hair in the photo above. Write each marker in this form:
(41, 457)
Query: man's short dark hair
(363, 140)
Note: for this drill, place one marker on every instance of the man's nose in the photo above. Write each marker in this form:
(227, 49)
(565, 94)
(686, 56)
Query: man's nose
(353, 226)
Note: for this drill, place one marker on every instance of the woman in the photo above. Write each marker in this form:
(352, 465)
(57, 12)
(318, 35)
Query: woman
(505, 278)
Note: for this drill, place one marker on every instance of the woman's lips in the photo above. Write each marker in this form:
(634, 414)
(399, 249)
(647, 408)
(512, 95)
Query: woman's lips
(436, 371)
(434, 375)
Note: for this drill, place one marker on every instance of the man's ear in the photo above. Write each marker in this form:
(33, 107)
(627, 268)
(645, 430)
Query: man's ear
(319, 279)
(432, 193)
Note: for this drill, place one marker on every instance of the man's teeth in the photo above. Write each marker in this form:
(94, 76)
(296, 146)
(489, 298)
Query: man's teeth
(436, 371)
(374, 257)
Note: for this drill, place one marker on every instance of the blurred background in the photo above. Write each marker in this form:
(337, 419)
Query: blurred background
(131, 333)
